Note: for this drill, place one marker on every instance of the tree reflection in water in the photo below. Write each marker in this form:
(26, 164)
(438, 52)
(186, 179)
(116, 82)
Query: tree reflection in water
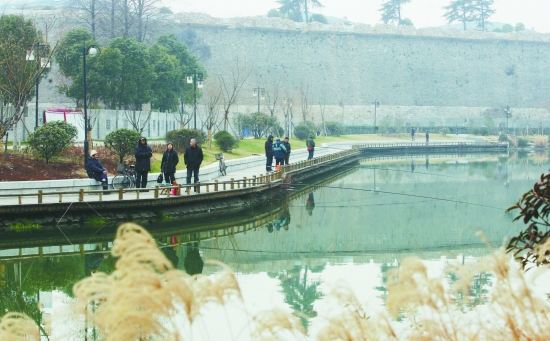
(301, 293)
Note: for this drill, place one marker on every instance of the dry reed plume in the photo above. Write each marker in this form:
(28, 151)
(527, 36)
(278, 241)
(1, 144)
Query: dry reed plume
(145, 298)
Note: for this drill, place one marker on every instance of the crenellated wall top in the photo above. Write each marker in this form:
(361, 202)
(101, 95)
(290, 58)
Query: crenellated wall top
(262, 22)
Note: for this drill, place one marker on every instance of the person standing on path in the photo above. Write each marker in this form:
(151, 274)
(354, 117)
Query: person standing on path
(287, 146)
(143, 154)
(427, 137)
(310, 144)
(168, 164)
(269, 153)
(279, 151)
(96, 170)
(193, 158)
(412, 133)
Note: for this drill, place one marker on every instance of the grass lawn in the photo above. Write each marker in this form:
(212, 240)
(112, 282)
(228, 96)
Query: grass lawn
(251, 147)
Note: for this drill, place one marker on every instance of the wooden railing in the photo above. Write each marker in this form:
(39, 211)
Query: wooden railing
(430, 144)
(180, 190)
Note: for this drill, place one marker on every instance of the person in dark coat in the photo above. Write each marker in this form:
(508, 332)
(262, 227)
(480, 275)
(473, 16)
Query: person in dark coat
(310, 144)
(168, 164)
(427, 137)
(269, 153)
(143, 154)
(279, 152)
(310, 204)
(193, 262)
(193, 158)
(287, 146)
(96, 170)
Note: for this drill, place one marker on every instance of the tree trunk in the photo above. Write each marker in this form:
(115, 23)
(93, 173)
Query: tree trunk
(209, 138)
(90, 141)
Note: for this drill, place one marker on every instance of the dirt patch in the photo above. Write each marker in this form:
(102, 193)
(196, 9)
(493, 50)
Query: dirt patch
(22, 166)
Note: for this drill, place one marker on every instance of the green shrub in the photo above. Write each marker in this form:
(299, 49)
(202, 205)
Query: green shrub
(122, 142)
(70, 129)
(25, 226)
(50, 140)
(225, 141)
(319, 18)
(180, 138)
(522, 143)
(334, 128)
(304, 129)
(503, 138)
(95, 222)
(444, 131)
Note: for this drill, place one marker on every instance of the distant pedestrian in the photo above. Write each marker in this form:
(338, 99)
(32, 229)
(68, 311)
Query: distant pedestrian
(310, 144)
(279, 152)
(96, 170)
(193, 158)
(168, 164)
(412, 133)
(269, 153)
(412, 166)
(427, 136)
(287, 146)
(143, 154)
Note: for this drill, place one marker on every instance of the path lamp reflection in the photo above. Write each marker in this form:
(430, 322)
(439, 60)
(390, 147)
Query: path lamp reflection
(507, 111)
(195, 78)
(44, 63)
(91, 50)
(376, 105)
(260, 93)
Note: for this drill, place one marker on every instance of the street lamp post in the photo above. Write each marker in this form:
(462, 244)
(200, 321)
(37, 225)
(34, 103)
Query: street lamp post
(91, 50)
(44, 64)
(376, 105)
(507, 111)
(259, 92)
(195, 78)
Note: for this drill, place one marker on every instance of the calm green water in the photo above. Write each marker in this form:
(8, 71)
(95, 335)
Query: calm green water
(345, 228)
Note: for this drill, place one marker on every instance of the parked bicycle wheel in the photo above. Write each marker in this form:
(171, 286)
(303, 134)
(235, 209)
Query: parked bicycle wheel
(121, 181)
(223, 167)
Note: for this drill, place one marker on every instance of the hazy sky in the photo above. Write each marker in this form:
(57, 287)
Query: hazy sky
(423, 13)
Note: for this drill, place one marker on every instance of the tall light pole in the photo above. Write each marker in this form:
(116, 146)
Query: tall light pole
(91, 50)
(260, 93)
(195, 78)
(507, 110)
(376, 105)
(38, 47)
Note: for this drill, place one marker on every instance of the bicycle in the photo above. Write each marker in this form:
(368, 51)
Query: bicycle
(221, 160)
(126, 177)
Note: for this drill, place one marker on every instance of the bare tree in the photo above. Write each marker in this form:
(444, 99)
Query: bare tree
(146, 11)
(304, 97)
(322, 109)
(88, 11)
(273, 95)
(183, 118)
(231, 84)
(138, 119)
(288, 111)
(211, 97)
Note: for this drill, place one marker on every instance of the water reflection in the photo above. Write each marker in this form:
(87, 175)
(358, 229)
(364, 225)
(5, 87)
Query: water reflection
(366, 221)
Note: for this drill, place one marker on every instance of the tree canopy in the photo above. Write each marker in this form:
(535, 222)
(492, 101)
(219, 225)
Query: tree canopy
(292, 9)
(391, 11)
(18, 73)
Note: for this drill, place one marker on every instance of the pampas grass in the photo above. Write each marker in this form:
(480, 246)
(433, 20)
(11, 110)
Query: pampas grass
(145, 298)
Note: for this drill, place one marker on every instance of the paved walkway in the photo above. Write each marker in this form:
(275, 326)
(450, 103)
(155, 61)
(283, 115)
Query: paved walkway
(296, 156)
